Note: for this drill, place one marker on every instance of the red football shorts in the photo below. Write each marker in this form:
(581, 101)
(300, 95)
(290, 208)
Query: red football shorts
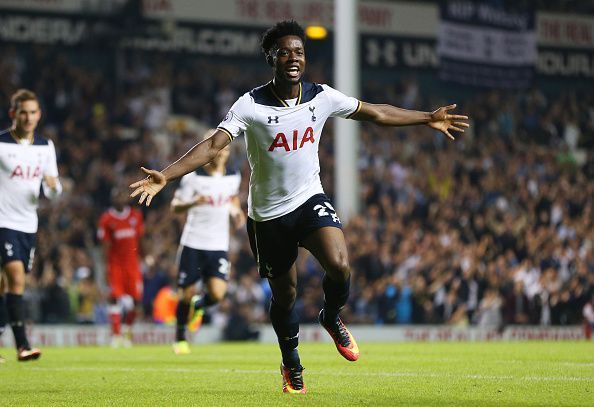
(125, 279)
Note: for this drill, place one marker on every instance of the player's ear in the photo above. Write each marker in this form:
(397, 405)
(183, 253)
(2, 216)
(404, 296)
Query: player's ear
(11, 113)
(269, 59)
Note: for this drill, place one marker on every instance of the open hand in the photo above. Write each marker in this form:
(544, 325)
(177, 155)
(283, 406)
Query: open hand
(148, 187)
(50, 181)
(443, 121)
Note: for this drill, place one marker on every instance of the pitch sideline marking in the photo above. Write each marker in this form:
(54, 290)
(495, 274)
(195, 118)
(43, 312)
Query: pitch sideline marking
(379, 374)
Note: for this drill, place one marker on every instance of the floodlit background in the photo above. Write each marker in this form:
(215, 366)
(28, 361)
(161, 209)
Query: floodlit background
(493, 230)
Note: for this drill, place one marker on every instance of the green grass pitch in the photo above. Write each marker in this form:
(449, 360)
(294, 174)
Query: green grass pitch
(388, 374)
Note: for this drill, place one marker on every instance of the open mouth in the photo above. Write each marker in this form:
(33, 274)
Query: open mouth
(293, 72)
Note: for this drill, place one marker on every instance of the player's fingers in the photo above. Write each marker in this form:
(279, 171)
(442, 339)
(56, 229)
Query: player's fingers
(461, 124)
(142, 197)
(457, 129)
(450, 107)
(151, 173)
(458, 117)
(137, 184)
(149, 199)
(138, 189)
(447, 133)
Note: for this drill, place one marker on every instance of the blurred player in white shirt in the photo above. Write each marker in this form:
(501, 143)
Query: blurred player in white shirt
(27, 164)
(209, 196)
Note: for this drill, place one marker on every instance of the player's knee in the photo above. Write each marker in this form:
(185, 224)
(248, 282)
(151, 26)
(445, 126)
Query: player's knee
(216, 296)
(186, 295)
(338, 267)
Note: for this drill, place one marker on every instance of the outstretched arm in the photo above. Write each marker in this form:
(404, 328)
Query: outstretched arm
(387, 115)
(180, 206)
(196, 157)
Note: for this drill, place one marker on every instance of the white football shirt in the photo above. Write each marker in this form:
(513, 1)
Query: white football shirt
(22, 167)
(207, 225)
(282, 143)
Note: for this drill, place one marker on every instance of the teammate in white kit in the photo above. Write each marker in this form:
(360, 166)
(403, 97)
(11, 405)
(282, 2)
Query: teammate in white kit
(283, 122)
(209, 195)
(27, 163)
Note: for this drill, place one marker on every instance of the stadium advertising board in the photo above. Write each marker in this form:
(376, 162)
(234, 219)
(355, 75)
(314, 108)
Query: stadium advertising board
(42, 29)
(374, 17)
(221, 41)
(394, 35)
(99, 335)
(64, 6)
(566, 45)
(481, 45)
(398, 52)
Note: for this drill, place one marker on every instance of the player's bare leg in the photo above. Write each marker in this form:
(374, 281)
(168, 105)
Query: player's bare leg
(115, 320)
(215, 292)
(15, 305)
(3, 312)
(181, 346)
(329, 248)
(285, 322)
(129, 311)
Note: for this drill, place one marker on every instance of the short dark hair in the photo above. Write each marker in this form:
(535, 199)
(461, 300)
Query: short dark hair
(21, 95)
(279, 30)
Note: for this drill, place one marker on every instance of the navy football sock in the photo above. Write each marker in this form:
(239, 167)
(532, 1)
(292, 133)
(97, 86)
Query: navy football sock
(181, 313)
(204, 301)
(336, 295)
(15, 306)
(286, 325)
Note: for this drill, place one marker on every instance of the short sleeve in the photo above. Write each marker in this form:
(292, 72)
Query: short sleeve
(341, 105)
(185, 192)
(239, 117)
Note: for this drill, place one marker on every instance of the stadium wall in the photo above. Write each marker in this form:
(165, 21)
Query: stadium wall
(149, 334)
(394, 35)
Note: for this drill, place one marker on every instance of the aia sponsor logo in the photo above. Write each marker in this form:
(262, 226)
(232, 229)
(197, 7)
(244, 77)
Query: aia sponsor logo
(26, 172)
(216, 200)
(296, 142)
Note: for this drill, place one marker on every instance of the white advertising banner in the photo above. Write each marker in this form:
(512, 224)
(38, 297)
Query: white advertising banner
(482, 45)
(486, 45)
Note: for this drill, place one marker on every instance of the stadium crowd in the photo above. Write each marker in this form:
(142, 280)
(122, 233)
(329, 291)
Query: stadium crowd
(496, 228)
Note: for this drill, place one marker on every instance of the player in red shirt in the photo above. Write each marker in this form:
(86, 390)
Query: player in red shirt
(120, 230)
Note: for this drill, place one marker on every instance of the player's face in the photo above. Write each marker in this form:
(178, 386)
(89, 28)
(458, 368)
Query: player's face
(119, 198)
(26, 116)
(288, 59)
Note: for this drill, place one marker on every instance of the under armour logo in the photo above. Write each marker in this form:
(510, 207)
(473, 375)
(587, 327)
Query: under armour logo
(268, 270)
(271, 119)
(313, 116)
